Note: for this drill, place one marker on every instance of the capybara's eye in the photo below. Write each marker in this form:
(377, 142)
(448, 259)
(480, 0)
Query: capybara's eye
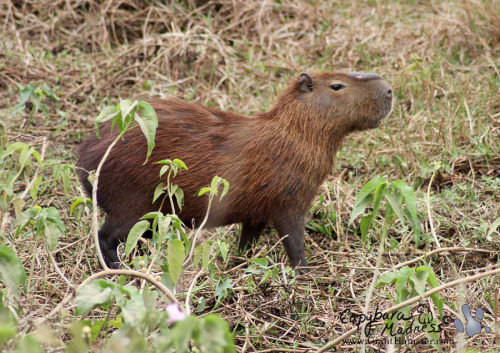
(337, 87)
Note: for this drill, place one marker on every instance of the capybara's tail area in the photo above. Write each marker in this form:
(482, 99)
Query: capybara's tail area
(86, 163)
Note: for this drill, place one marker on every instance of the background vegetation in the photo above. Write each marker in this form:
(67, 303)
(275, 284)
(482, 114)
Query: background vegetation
(441, 58)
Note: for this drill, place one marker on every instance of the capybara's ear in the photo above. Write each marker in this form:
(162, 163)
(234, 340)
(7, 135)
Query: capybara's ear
(306, 82)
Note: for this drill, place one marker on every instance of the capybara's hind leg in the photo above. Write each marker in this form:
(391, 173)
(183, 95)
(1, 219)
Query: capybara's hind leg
(249, 234)
(292, 226)
(108, 241)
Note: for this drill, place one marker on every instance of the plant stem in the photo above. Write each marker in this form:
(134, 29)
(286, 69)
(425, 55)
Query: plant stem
(428, 204)
(95, 226)
(374, 279)
(198, 231)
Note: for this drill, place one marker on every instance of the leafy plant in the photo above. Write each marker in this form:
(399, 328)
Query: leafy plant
(169, 231)
(260, 268)
(16, 163)
(411, 282)
(12, 272)
(13, 275)
(400, 202)
(45, 221)
(137, 320)
(123, 116)
(326, 223)
(173, 167)
(36, 95)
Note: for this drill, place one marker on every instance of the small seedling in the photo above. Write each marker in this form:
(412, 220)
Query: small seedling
(397, 194)
(36, 95)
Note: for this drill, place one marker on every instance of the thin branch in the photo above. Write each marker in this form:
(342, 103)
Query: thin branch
(95, 226)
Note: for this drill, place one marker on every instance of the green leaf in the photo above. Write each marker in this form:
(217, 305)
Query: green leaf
(386, 278)
(360, 206)
(94, 294)
(29, 344)
(126, 106)
(135, 233)
(365, 192)
(53, 217)
(7, 331)
(51, 233)
(13, 147)
(377, 199)
(215, 335)
(403, 278)
(45, 111)
(411, 204)
(36, 100)
(433, 282)
(18, 206)
(364, 226)
(164, 169)
(3, 141)
(50, 94)
(37, 156)
(494, 226)
(106, 114)
(18, 109)
(26, 93)
(179, 197)
(394, 199)
(419, 279)
(223, 250)
(402, 295)
(205, 257)
(175, 258)
(25, 217)
(12, 271)
(25, 154)
(65, 174)
(261, 262)
(148, 121)
(198, 251)
(203, 191)
(132, 305)
(164, 224)
(159, 190)
(151, 215)
(201, 304)
(222, 287)
(226, 188)
(180, 335)
(214, 185)
(180, 164)
(266, 277)
(149, 297)
(75, 204)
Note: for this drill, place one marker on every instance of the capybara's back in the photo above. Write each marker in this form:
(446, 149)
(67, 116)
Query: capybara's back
(274, 161)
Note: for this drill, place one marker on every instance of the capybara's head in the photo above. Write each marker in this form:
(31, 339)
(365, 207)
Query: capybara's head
(351, 101)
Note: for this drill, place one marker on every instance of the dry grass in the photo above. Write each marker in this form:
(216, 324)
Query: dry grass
(442, 59)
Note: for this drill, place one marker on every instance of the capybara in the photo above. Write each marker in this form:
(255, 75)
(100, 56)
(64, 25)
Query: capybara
(275, 161)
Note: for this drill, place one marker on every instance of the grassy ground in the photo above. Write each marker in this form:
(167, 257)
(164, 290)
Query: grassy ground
(442, 60)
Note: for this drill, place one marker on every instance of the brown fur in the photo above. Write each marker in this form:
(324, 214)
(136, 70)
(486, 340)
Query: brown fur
(274, 161)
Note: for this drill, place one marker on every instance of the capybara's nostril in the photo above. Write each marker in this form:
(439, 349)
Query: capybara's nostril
(389, 92)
